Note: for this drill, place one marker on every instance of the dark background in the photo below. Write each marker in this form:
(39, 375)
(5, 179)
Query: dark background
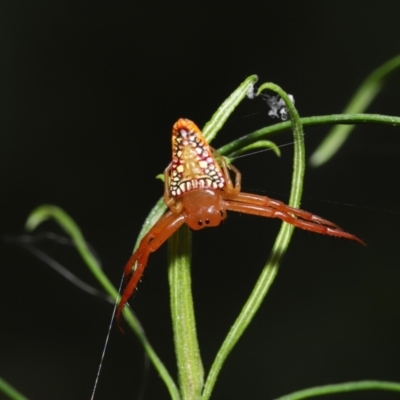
(89, 94)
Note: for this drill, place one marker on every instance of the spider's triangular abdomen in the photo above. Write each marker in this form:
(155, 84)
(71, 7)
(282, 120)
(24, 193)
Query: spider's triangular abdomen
(193, 164)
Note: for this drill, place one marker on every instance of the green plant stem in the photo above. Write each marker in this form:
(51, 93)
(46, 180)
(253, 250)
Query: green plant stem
(45, 212)
(190, 368)
(342, 388)
(333, 119)
(281, 243)
(10, 392)
(362, 98)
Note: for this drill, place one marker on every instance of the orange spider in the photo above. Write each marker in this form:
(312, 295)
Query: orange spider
(198, 191)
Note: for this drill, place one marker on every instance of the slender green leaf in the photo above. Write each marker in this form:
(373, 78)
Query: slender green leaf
(10, 392)
(342, 388)
(363, 97)
(334, 119)
(190, 367)
(46, 212)
(219, 118)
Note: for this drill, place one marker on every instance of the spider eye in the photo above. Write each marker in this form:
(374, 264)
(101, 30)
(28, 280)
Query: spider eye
(200, 222)
(207, 221)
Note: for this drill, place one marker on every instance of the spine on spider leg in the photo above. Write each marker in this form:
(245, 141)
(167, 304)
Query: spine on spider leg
(133, 274)
(316, 224)
(128, 269)
(270, 208)
(141, 258)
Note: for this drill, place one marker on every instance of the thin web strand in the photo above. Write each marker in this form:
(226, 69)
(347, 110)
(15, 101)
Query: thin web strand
(106, 341)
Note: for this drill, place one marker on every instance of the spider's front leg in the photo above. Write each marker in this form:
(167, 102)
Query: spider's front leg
(158, 234)
(266, 207)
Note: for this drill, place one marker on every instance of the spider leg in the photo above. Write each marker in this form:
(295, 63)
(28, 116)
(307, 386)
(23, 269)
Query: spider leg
(232, 189)
(280, 206)
(275, 209)
(158, 234)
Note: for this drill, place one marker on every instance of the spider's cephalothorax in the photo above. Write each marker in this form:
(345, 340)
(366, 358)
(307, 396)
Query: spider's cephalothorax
(193, 164)
(198, 191)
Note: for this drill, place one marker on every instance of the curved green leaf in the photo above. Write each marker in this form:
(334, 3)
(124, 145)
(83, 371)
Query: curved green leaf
(45, 212)
(363, 97)
(270, 270)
